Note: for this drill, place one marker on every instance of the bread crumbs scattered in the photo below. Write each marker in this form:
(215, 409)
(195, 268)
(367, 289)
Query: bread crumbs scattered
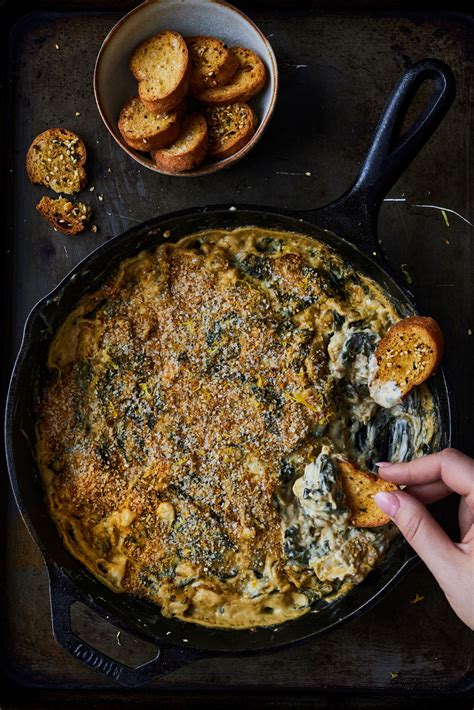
(393, 675)
(406, 273)
(92, 188)
(56, 46)
(469, 331)
(167, 234)
(308, 174)
(417, 598)
(100, 198)
(118, 638)
(78, 113)
(94, 228)
(445, 217)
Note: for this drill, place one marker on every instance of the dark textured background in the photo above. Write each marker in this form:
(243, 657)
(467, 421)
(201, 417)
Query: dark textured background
(336, 72)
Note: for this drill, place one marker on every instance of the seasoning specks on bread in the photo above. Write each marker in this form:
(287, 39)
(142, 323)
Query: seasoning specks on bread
(147, 130)
(160, 64)
(407, 355)
(56, 159)
(212, 63)
(63, 215)
(166, 66)
(230, 128)
(247, 82)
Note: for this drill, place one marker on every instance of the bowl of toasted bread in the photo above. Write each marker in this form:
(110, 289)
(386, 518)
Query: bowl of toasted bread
(186, 87)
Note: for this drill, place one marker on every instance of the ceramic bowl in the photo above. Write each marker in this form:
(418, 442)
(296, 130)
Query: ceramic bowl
(114, 82)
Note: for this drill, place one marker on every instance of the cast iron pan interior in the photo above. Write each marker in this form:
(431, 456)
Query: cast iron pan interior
(353, 219)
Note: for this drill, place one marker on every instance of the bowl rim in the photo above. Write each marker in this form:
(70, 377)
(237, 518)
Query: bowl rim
(208, 168)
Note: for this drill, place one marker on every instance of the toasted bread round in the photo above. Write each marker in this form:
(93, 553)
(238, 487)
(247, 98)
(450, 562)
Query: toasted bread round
(407, 355)
(212, 63)
(360, 488)
(63, 215)
(56, 159)
(229, 128)
(247, 82)
(188, 150)
(146, 130)
(160, 64)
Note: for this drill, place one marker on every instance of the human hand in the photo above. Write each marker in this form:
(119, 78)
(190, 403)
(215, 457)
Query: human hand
(429, 479)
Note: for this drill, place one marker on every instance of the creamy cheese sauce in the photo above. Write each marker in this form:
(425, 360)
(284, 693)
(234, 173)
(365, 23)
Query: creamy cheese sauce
(195, 408)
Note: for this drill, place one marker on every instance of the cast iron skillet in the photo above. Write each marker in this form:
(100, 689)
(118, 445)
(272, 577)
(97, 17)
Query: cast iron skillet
(353, 219)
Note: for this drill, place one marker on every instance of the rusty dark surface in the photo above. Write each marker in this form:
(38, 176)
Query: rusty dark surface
(336, 71)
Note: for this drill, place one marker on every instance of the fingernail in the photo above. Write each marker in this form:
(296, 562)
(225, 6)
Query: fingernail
(388, 502)
(381, 464)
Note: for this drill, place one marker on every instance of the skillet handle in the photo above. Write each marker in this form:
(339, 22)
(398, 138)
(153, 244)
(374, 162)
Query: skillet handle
(168, 658)
(355, 213)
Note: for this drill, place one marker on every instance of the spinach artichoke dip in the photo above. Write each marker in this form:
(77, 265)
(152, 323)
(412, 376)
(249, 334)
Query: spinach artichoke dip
(192, 418)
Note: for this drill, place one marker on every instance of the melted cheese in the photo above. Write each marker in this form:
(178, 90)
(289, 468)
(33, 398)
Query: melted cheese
(187, 434)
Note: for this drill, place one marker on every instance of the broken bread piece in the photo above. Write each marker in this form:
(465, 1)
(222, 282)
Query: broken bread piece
(63, 215)
(407, 355)
(212, 63)
(147, 130)
(247, 81)
(160, 64)
(360, 488)
(229, 128)
(56, 159)
(188, 151)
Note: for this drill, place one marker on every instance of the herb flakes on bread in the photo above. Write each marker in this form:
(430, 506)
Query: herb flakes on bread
(360, 487)
(160, 64)
(56, 159)
(63, 215)
(407, 355)
(229, 128)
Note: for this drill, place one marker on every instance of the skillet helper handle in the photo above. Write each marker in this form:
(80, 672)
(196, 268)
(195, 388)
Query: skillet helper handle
(390, 154)
(168, 658)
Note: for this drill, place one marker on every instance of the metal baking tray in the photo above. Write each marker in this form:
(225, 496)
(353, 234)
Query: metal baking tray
(340, 66)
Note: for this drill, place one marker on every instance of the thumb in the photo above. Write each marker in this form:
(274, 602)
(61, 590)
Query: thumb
(423, 533)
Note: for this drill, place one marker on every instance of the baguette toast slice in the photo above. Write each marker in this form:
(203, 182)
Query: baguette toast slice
(229, 128)
(56, 159)
(407, 355)
(247, 82)
(160, 64)
(63, 215)
(188, 150)
(146, 130)
(359, 489)
(212, 63)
